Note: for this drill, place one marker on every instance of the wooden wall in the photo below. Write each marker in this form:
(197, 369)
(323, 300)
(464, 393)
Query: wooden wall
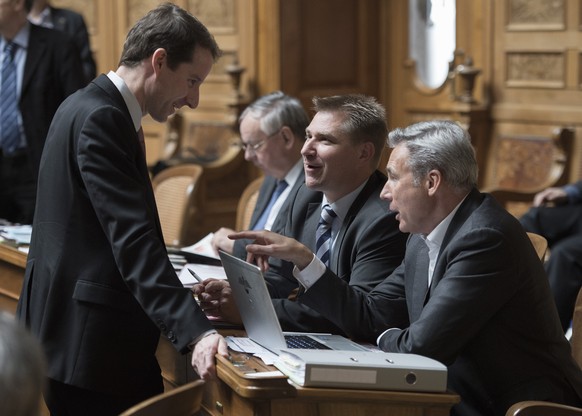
(529, 54)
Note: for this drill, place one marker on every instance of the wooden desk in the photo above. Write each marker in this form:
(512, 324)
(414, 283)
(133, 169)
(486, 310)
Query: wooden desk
(12, 265)
(241, 391)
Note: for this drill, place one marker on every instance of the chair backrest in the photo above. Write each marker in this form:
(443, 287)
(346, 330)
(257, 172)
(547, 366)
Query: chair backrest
(540, 244)
(536, 408)
(246, 204)
(519, 166)
(175, 191)
(181, 401)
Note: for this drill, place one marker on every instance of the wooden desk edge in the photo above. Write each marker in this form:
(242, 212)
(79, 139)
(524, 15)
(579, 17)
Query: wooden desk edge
(12, 255)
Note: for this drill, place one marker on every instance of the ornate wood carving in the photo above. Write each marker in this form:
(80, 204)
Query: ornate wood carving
(536, 69)
(536, 15)
(218, 15)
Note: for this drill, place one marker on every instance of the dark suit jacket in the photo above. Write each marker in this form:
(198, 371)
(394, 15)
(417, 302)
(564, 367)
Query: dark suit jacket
(98, 285)
(489, 315)
(368, 246)
(267, 188)
(52, 72)
(73, 24)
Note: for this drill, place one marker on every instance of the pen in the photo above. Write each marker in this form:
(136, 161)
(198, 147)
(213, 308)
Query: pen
(193, 273)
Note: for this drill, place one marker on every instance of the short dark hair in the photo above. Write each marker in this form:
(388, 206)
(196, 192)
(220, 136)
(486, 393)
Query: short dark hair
(28, 5)
(171, 28)
(365, 118)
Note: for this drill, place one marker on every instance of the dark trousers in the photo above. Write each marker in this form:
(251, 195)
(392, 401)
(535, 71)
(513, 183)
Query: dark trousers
(66, 400)
(562, 227)
(17, 188)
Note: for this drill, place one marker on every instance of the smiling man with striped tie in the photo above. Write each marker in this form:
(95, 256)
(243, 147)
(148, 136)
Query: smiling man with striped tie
(337, 218)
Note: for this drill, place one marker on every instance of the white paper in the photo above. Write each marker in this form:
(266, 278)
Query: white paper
(204, 271)
(203, 247)
(244, 344)
(20, 234)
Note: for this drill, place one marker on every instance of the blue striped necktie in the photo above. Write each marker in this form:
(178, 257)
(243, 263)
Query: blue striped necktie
(260, 224)
(9, 102)
(323, 234)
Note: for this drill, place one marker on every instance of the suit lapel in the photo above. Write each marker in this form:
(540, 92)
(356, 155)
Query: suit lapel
(35, 52)
(420, 277)
(359, 202)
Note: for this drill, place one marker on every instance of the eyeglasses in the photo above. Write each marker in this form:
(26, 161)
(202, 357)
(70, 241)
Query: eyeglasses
(253, 147)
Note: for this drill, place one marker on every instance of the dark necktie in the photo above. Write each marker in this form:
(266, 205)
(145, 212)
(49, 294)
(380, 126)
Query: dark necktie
(141, 138)
(260, 224)
(323, 234)
(9, 102)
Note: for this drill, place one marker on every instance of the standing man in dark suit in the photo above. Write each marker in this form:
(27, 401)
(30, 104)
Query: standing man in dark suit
(272, 131)
(70, 22)
(48, 69)
(343, 146)
(556, 214)
(475, 291)
(99, 287)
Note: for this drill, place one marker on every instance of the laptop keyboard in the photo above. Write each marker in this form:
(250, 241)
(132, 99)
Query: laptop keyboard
(304, 342)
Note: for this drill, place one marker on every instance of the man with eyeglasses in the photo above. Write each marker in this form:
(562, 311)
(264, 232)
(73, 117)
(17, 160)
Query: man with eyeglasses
(272, 131)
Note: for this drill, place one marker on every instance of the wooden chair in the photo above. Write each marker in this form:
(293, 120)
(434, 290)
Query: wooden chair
(536, 408)
(518, 167)
(540, 244)
(175, 193)
(181, 401)
(246, 204)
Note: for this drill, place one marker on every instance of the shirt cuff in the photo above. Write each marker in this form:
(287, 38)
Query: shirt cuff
(311, 274)
(384, 333)
(199, 338)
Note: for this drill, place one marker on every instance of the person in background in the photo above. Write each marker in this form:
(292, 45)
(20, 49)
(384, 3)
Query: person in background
(22, 369)
(39, 69)
(556, 214)
(344, 143)
(272, 131)
(99, 288)
(474, 289)
(70, 22)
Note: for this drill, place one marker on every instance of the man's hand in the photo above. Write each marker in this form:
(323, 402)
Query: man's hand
(269, 244)
(220, 240)
(550, 195)
(203, 361)
(216, 300)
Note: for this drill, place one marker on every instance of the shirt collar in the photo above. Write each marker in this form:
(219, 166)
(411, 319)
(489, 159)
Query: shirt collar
(342, 205)
(436, 236)
(21, 38)
(294, 173)
(130, 100)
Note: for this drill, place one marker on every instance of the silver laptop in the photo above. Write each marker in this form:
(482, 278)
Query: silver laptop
(258, 314)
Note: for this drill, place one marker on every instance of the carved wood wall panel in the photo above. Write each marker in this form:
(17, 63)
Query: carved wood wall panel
(537, 15)
(536, 69)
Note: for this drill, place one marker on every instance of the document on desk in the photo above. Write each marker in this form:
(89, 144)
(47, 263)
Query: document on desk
(193, 273)
(247, 345)
(203, 247)
(17, 234)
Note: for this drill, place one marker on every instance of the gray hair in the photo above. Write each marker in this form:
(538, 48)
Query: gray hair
(442, 145)
(22, 369)
(276, 110)
(365, 118)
